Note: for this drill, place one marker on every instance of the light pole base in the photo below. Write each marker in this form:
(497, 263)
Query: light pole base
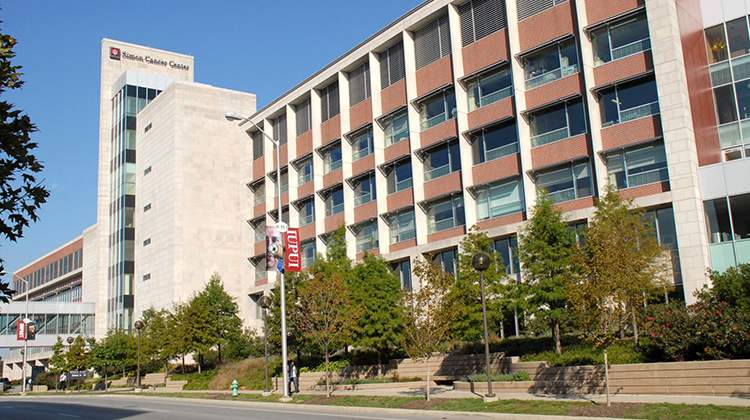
(285, 399)
(490, 398)
(138, 390)
(266, 393)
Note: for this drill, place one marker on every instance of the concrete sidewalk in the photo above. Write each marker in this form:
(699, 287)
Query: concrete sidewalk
(448, 392)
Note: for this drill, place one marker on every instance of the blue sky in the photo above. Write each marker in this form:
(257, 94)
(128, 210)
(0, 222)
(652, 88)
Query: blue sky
(253, 46)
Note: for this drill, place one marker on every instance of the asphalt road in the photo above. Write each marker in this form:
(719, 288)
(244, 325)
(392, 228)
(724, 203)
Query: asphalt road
(138, 408)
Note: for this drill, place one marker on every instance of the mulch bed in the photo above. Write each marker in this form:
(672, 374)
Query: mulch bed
(617, 410)
(322, 400)
(424, 404)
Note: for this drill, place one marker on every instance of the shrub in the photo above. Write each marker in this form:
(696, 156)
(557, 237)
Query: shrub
(669, 332)
(332, 366)
(519, 376)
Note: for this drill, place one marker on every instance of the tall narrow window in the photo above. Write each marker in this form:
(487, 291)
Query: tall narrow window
(550, 64)
(257, 138)
(359, 84)
(480, 18)
(367, 236)
(557, 123)
(402, 226)
(620, 39)
(304, 117)
(441, 160)
(307, 212)
(307, 252)
(628, 101)
(329, 101)
(403, 270)
(279, 129)
(437, 109)
(494, 142)
(335, 201)
(499, 199)
(331, 157)
(445, 214)
(489, 87)
(364, 190)
(637, 166)
(362, 143)
(304, 170)
(259, 193)
(399, 176)
(396, 128)
(392, 67)
(432, 42)
(566, 183)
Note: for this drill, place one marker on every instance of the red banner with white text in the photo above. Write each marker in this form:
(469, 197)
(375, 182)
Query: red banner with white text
(293, 259)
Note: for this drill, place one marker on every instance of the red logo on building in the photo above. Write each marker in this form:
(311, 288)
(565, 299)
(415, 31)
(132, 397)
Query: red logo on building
(293, 261)
(21, 334)
(114, 53)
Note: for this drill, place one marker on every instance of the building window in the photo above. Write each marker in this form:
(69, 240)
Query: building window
(628, 101)
(402, 226)
(494, 142)
(307, 212)
(445, 214)
(259, 231)
(260, 271)
(490, 87)
(335, 201)
(257, 139)
(550, 64)
(329, 101)
(666, 234)
(441, 160)
(147, 207)
(499, 199)
(147, 242)
(432, 42)
(728, 222)
(528, 8)
(362, 143)
(303, 116)
(638, 166)
(331, 157)
(716, 44)
(399, 176)
(566, 183)
(364, 189)
(557, 123)
(437, 109)
(304, 170)
(367, 236)
(508, 249)
(396, 128)
(480, 18)
(147, 277)
(392, 67)
(148, 127)
(359, 84)
(284, 180)
(448, 260)
(259, 193)
(403, 270)
(621, 39)
(147, 171)
(307, 252)
(279, 129)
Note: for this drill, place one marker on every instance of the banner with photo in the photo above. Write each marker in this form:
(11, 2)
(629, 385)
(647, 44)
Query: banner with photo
(274, 250)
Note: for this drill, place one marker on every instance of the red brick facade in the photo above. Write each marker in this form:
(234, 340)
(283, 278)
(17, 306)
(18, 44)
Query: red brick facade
(259, 168)
(599, 10)
(397, 150)
(439, 132)
(560, 151)
(374, 251)
(508, 219)
(398, 246)
(55, 256)
(442, 185)
(578, 204)
(307, 231)
(631, 65)
(551, 91)
(259, 210)
(333, 222)
(366, 211)
(304, 143)
(486, 51)
(644, 190)
(445, 234)
(435, 75)
(631, 132)
(393, 96)
(360, 114)
(492, 112)
(332, 178)
(306, 189)
(259, 248)
(400, 199)
(364, 164)
(497, 169)
(330, 129)
(550, 24)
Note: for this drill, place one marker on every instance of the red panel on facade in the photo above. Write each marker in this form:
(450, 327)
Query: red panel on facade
(631, 132)
(304, 143)
(393, 96)
(579, 204)
(497, 169)
(360, 114)
(283, 155)
(55, 256)
(365, 211)
(330, 129)
(305, 189)
(398, 246)
(550, 24)
(599, 10)
(261, 282)
(486, 51)
(552, 91)
(259, 248)
(623, 68)
(400, 199)
(439, 132)
(508, 219)
(259, 168)
(307, 231)
(445, 234)
(645, 190)
(374, 251)
(259, 210)
(435, 75)
(333, 178)
(492, 112)
(442, 185)
(560, 151)
(364, 164)
(397, 150)
(333, 222)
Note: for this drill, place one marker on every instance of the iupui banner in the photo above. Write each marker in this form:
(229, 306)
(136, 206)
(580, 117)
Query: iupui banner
(293, 259)
(21, 334)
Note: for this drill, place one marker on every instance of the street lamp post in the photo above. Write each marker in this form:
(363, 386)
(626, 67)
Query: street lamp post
(70, 340)
(236, 117)
(25, 337)
(138, 326)
(265, 303)
(481, 261)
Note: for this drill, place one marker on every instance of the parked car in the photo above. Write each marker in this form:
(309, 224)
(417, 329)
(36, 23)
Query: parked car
(5, 384)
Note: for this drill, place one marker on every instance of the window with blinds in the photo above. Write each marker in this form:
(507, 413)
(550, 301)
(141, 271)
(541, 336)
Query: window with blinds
(392, 67)
(359, 84)
(480, 18)
(279, 129)
(528, 8)
(432, 41)
(329, 101)
(257, 138)
(304, 117)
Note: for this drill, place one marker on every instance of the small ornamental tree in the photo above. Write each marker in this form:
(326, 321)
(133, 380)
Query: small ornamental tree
(223, 310)
(155, 338)
(546, 250)
(464, 294)
(57, 361)
(325, 314)
(377, 291)
(197, 328)
(731, 286)
(428, 315)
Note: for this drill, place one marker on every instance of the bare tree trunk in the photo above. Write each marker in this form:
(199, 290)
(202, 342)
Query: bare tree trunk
(556, 336)
(328, 390)
(428, 378)
(183, 362)
(380, 366)
(199, 364)
(635, 329)
(606, 374)
(166, 370)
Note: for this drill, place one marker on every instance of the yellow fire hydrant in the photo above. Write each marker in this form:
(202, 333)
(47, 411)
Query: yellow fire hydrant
(234, 387)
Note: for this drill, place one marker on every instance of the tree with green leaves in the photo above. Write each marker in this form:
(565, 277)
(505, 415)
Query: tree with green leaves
(196, 328)
(223, 309)
(428, 315)
(545, 250)
(377, 291)
(22, 195)
(621, 245)
(731, 286)
(119, 349)
(57, 362)
(155, 337)
(464, 294)
(325, 314)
